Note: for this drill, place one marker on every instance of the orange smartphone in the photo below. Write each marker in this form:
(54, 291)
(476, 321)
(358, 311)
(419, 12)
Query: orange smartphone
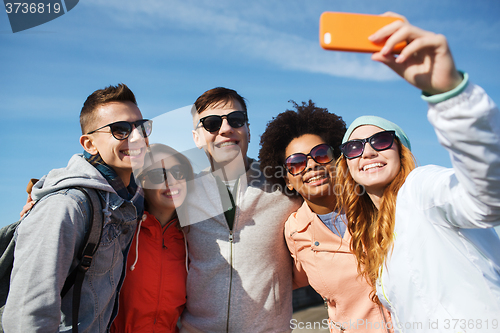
(350, 32)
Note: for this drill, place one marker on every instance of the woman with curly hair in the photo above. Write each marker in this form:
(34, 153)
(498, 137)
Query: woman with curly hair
(424, 237)
(298, 152)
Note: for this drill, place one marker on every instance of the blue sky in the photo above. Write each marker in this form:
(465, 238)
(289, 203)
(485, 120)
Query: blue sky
(169, 52)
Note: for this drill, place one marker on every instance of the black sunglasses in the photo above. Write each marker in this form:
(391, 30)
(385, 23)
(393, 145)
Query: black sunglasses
(379, 141)
(159, 176)
(212, 123)
(297, 163)
(121, 129)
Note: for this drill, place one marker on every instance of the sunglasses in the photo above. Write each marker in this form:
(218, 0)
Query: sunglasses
(379, 141)
(159, 176)
(297, 163)
(212, 123)
(121, 129)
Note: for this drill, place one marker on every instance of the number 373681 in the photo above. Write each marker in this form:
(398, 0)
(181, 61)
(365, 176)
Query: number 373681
(32, 8)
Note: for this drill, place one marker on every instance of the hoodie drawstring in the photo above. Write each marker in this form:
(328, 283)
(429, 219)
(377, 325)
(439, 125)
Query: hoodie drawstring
(137, 242)
(186, 248)
(107, 213)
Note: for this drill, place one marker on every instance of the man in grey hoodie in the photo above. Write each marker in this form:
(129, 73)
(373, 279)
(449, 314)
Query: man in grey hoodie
(113, 137)
(240, 271)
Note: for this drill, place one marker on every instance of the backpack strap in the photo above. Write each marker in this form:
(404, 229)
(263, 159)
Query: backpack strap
(7, 245)
(84, 256)
(86, 253)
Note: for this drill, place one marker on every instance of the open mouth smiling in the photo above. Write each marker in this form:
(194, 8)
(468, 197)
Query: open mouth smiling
(131, 152)
(316, 178)
(372, 166)
(226, 144)
(172, 193)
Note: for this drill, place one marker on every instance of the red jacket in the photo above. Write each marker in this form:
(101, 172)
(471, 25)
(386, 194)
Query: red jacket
(154, 292)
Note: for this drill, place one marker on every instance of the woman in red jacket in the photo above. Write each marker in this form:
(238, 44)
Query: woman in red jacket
(154, 290)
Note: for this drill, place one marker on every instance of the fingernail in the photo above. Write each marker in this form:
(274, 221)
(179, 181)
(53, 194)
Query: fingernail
(385, 50)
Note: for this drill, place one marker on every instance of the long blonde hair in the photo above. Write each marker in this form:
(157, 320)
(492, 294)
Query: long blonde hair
(371, 229)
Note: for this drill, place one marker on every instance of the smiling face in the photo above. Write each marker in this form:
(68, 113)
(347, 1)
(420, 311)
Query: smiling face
(227, 143)
(374, 169)
(120, 155)
(164, 198)
(315, 183)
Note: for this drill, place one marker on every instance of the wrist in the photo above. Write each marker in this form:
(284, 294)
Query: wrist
(459, 86)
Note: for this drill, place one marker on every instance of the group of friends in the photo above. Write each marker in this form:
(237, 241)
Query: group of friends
(389, 246)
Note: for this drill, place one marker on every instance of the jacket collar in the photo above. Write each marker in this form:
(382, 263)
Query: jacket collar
(305, 216)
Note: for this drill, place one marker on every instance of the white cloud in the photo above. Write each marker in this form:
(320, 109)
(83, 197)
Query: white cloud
(254, 31)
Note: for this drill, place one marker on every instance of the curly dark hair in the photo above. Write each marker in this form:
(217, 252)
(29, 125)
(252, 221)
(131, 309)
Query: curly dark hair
(291, 124)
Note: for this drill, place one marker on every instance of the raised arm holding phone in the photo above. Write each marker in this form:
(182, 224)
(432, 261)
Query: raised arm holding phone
(424, 236)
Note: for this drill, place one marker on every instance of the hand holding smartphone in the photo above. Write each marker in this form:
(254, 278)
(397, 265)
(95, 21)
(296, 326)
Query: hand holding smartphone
(350, 32)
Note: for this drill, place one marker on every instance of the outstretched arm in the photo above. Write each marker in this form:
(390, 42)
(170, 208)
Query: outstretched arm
(466, 124)
(426, 62)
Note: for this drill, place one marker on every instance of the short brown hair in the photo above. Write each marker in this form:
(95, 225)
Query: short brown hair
(119, 93)
(215, 96)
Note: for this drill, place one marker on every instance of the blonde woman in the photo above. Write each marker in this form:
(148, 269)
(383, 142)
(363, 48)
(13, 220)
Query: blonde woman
(424, 237)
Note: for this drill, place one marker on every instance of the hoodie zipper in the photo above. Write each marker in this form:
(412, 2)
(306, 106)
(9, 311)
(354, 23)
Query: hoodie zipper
(163, 253)
(230, 275)
(231, 243)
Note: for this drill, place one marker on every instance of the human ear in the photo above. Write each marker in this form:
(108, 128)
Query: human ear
(287, 182)
(200, 143)
(88, 144)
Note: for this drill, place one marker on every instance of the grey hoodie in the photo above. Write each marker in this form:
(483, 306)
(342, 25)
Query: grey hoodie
(47, 242)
